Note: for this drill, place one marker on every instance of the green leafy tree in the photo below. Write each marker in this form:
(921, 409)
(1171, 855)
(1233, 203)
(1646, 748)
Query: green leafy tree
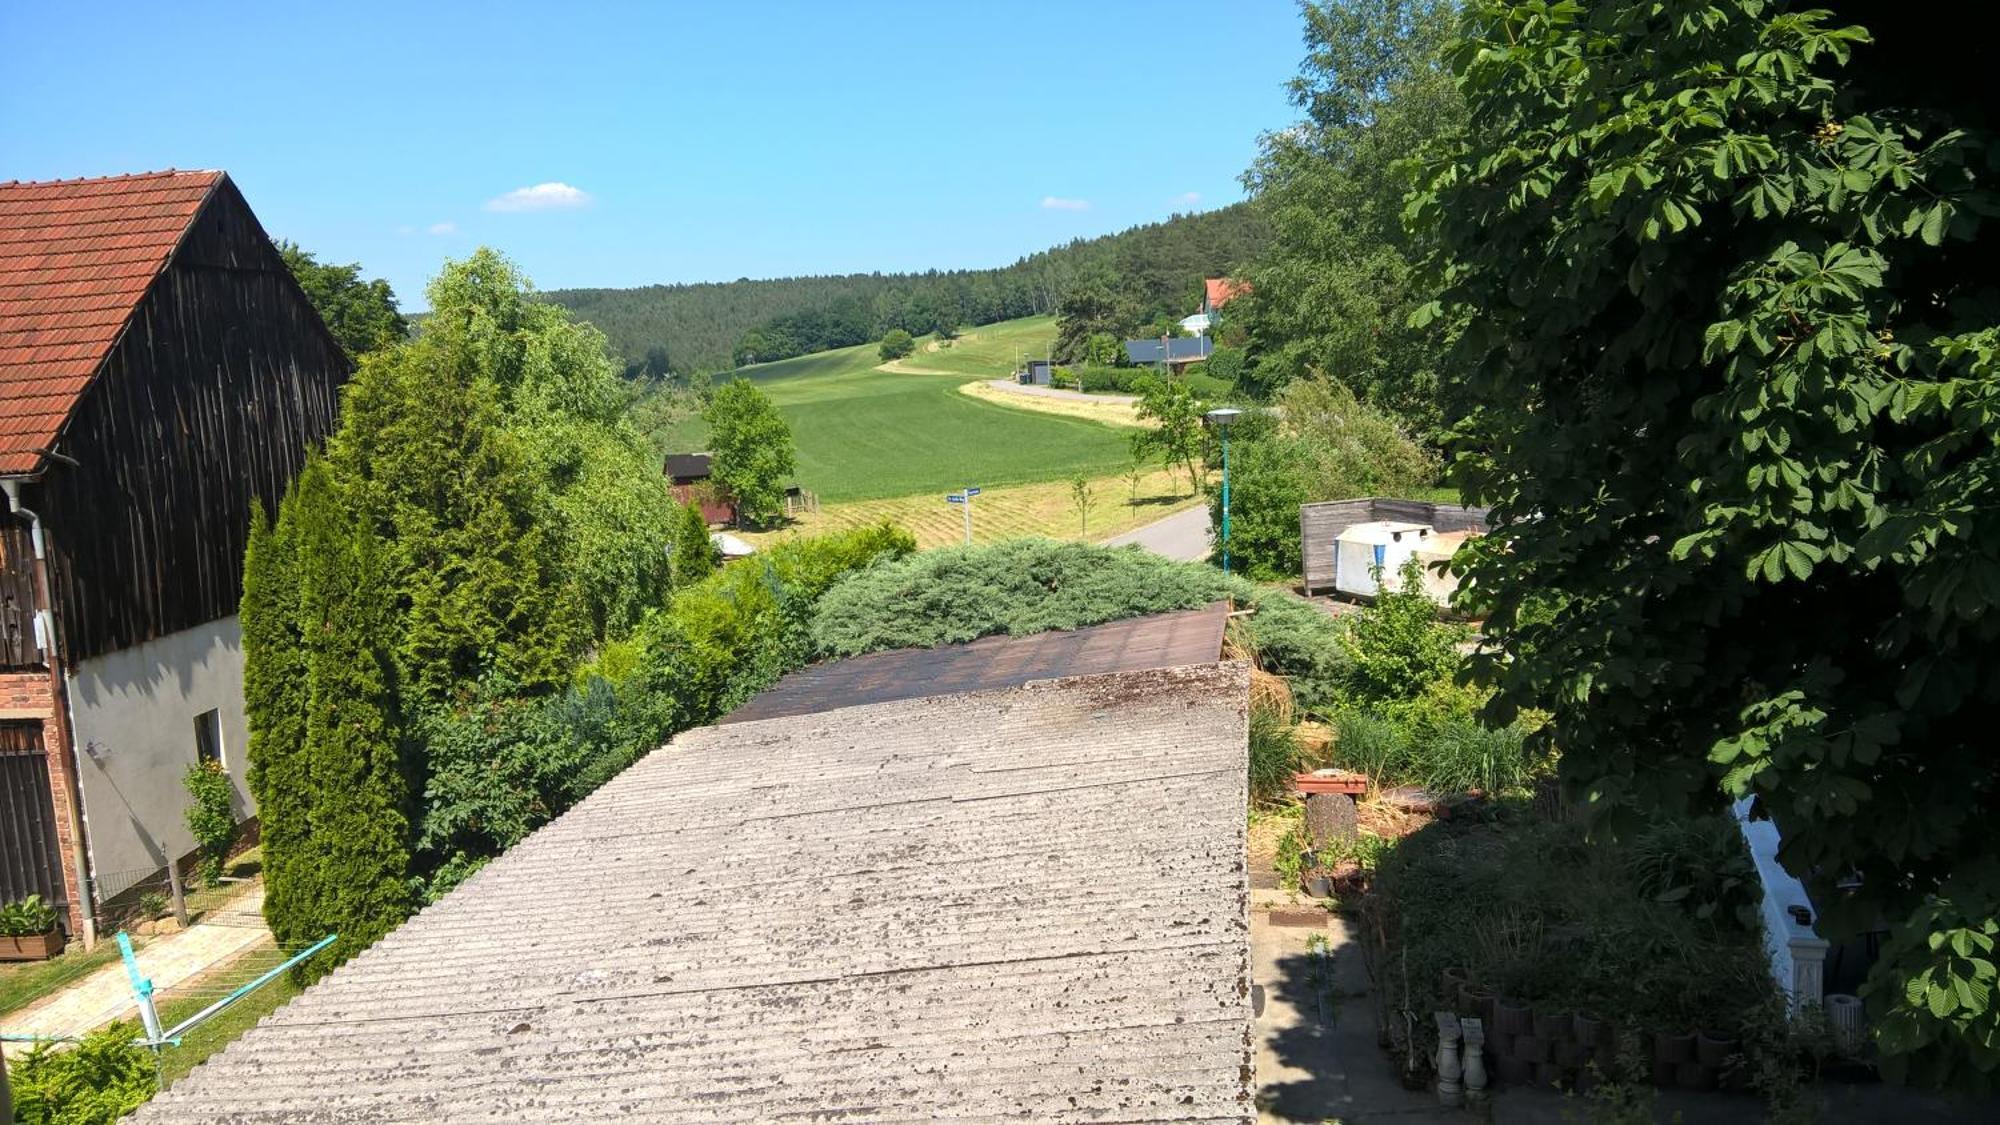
(896, 344)
(359, 820)
(753, 449)
(1731, 344)
(1091, 310)
(274, 708)
(1267, 483)
(1396, 647)
(1333, 293)
(693, 551)
(1103, 349)
(484, 515)
(424, 456)
(361, 314)
(1323, 444)
(1175, 436)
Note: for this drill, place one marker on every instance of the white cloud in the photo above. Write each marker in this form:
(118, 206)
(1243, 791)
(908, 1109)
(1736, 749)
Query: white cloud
(552, 196)
(1187, 199)
(406, 229)
(446, 227)
(1058, 203)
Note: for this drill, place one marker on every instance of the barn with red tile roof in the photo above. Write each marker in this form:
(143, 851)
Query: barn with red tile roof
(161, 373)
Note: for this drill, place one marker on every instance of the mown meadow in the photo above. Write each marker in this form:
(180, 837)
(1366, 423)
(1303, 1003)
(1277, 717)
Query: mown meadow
(867, 434)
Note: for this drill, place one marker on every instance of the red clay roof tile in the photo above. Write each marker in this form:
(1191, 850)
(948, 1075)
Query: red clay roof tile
(76, 257)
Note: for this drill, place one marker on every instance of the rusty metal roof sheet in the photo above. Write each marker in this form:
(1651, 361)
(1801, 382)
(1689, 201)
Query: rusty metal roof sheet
(1163, 640)
(909, 911)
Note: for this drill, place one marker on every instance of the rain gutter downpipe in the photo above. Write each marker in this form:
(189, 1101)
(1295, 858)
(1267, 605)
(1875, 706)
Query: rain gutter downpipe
(45, 638)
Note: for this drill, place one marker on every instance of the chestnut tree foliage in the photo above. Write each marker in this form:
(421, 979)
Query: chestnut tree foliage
(1726, 275)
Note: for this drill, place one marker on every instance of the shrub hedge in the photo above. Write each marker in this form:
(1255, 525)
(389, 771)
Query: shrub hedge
(1030, 586)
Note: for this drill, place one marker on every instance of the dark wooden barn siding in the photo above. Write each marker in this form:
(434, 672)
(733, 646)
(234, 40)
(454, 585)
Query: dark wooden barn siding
(223, 380)
(1320, 526)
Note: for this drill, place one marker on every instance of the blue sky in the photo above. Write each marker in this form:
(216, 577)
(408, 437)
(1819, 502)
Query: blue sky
(663, 142)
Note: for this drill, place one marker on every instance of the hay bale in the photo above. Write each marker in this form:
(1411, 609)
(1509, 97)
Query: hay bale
(1271, 693)
(1315, 740)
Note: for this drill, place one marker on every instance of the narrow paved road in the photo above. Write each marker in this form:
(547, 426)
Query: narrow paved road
(1183, 535)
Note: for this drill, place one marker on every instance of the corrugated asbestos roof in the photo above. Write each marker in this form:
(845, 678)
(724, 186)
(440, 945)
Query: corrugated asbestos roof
(1025, 904)
(1163, 640)
(76, 257)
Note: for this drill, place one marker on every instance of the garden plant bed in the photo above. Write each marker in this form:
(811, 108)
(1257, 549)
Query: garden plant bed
(1586, 960)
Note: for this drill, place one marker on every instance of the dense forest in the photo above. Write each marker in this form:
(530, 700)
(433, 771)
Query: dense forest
(713, 326)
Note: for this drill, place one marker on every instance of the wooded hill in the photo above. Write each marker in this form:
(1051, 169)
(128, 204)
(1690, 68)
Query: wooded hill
(714, 326)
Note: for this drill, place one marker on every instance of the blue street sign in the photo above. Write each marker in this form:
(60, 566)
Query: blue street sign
(954, 498)
(972, 492)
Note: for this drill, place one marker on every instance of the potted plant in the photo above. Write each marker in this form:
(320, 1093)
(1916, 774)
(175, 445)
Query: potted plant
(1318, 883)
(28, 931)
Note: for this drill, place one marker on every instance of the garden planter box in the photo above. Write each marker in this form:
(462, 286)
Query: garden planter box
(38, 947)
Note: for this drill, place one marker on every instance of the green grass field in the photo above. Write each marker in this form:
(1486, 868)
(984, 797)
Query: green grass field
(864, 434)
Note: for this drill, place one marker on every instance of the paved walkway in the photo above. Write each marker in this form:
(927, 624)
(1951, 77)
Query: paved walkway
(1182, 536)
(222, 935)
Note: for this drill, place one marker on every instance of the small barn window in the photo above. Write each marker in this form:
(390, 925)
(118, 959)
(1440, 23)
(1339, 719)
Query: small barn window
(208, 738)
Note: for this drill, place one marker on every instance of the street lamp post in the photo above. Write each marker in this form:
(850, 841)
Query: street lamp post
(1220, 419)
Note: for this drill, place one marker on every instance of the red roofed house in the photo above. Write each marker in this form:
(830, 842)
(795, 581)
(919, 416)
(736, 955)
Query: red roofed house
(1219, 291)
(160, 373)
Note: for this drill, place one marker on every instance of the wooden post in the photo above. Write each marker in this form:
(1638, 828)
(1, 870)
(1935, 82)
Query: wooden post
(174, 885)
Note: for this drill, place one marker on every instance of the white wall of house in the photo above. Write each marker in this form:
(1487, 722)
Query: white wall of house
(134, 715)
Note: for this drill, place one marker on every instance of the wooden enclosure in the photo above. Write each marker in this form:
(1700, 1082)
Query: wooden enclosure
(1320, 526)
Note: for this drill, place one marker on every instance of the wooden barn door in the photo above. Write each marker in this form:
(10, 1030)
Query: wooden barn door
(30, 863)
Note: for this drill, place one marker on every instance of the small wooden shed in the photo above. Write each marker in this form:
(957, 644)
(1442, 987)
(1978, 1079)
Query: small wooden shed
(1321, 525)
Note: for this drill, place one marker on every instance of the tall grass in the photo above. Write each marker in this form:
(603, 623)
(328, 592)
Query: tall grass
(1441, 750)
(1274, 754)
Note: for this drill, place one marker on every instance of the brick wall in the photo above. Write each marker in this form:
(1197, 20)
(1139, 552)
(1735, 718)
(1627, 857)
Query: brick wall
(25, 695)
(31, 695)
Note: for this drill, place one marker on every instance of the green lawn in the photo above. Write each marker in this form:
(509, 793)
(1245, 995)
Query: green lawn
(864, 434)
(224, 1029)
(990, 350)
(23, 983)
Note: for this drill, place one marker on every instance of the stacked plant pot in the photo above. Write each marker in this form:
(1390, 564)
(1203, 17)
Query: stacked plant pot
(1547, 1046)
(1527, 1046)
